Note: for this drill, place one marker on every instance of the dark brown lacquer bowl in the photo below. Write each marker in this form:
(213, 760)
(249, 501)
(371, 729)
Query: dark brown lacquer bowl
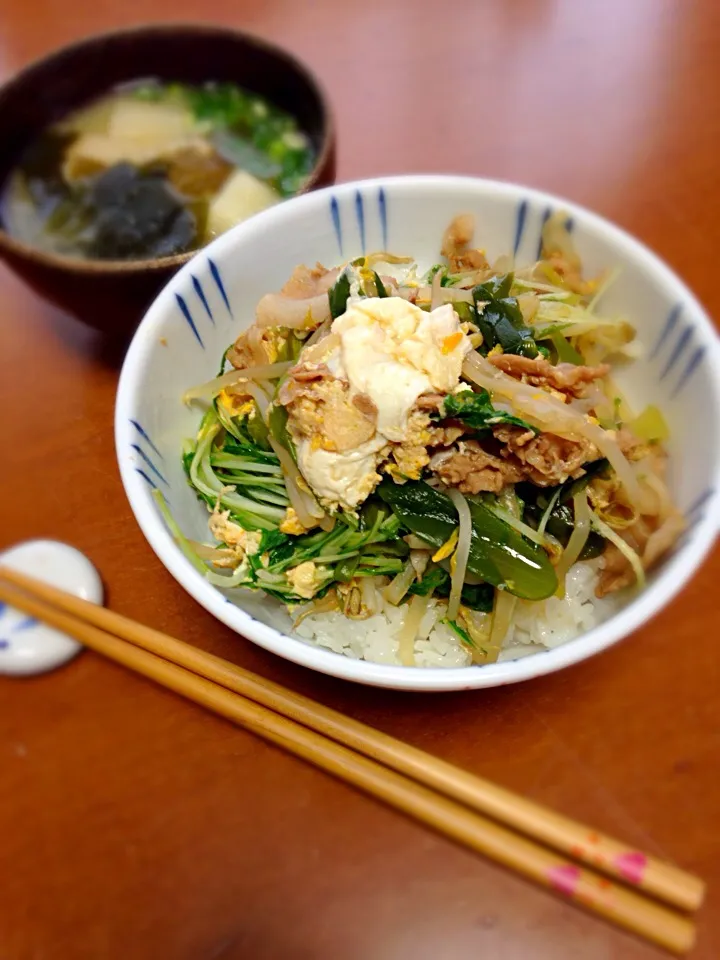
(112, 295)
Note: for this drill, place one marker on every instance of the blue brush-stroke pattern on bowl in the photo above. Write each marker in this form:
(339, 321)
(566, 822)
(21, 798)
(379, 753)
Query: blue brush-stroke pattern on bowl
(184, 309)
(360, 214)
(670, 324)
(138, 449)
(382, 210)
(203, 299)
(692, 365)
(335, 214)
(520, 225)
(217, 277)
(143, 433)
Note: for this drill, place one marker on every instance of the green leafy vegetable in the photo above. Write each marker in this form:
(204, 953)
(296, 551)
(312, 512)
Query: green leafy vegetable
(233, 448)
(561, 520)
(277, 426)
(501, 321)
(475, 596)
(271, 539)
(433, 270)
(345, 570)
(338, 295)
(597, 468)
(257, 428)
(289, 345)
(250, 485)
(256, 135)
(334, 548)
(498, 554)
(456, 628)
(379, 285)
(435, 581)
(465, 311)
(221, 371)
(477, 411)
(478, 596)
(221, 104)
(150, 92)
(566, 353)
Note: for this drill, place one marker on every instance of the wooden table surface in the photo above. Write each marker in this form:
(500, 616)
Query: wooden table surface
(135, 827)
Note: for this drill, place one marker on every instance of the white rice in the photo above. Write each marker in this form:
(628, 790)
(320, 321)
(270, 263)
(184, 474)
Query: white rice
(535, 627)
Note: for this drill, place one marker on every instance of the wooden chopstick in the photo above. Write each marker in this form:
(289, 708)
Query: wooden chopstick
(610, 856)
(600, 895)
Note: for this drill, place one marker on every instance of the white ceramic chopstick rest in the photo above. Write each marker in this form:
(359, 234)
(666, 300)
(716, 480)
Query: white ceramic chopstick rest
(27, 646)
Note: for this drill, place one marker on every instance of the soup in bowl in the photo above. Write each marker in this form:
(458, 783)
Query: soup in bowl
(126, 152)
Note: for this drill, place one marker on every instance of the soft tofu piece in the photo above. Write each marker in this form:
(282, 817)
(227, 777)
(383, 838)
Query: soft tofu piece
(93, 152)
(135, 132)
(150, 123)
(91, 119)
(241, 197)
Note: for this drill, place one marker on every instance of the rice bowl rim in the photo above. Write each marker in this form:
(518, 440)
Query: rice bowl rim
(673, 576)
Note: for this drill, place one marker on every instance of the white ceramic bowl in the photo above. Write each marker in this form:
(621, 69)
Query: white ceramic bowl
(207, 304)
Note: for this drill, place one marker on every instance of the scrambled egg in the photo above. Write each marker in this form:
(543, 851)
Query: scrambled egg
(291, 523)
(306, 579)
(345, 478)
(241, 541)
(392, 352)
(235, 404)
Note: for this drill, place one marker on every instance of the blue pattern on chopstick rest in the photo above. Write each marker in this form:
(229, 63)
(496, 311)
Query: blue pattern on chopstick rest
(520, 218)
(678, 350)
(188, 316)
(360, 214)
(335, 214)
(146, 438)
(670, 324)
(149, 462)
(7, 633)
(690, 368)
(203, 299)
(215, 274)
(382, 210)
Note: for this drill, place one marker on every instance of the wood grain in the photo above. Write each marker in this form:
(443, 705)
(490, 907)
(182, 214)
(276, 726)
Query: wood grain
(135, 826)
